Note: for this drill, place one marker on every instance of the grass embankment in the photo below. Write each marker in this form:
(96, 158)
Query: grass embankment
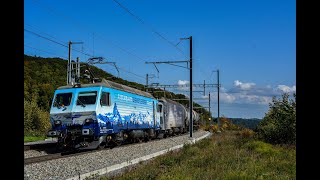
(223, 156)
(33, 138)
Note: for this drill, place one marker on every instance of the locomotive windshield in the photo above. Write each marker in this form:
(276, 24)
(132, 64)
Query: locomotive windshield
(88, 97)
(159, 109)
(62, 99)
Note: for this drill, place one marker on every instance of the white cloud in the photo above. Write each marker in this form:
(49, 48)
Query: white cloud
(222, 89)
(243, 86)
(243, 98)
(182, 83)
(254, 99)
(245, 93)
(266, 100)
(227, 98)
(248, 93)
(206, 97)
(286, 89)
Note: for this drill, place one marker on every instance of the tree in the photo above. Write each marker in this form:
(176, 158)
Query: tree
(36, 120)
(279, 124)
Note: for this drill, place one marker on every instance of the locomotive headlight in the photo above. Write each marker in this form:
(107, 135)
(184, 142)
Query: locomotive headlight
(57, 122)
(88, 131)
(88, 121)
(53, 133)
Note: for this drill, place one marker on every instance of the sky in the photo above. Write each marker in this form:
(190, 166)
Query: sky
(251, 42)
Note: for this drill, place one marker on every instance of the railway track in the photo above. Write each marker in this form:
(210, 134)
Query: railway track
(39, 145)
(59, 155)
(55, 156)
(42, 158)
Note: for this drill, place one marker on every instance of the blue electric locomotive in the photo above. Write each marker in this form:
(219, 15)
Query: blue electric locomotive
(97, 114)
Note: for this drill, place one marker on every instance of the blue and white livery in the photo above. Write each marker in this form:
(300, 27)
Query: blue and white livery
(89, 116)
(94, 114)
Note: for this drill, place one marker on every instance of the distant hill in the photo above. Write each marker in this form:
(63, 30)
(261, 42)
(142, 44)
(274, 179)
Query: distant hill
(247, 123)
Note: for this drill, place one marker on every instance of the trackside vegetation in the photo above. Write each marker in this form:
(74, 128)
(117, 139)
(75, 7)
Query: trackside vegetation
(232, 152)
(33, 138)
(226, 155)
(279, 124)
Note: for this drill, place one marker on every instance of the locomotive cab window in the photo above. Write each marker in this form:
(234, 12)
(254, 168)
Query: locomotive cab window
(88, 97)
(159, 109)
(62, 99)
(105, 99)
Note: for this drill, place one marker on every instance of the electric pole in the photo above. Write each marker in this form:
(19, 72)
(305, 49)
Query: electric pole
(191, 103)
(147, 78)
(218, 99)
(69, 68)
(69, 63)
(204, 87)
(190, 68)
(209, 108)
(78, 70)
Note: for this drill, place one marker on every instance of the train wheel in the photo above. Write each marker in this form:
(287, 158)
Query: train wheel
(147, 138)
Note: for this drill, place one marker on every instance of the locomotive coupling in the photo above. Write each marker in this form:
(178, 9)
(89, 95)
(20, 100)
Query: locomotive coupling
(84, 144)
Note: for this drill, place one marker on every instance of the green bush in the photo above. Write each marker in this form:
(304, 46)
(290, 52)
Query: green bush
(226, 124)
(279, 124)
(261, 148)
(214, 128)
(246, 133)
(36, 120)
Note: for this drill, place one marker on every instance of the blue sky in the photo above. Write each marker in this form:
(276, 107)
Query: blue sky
(251, 42)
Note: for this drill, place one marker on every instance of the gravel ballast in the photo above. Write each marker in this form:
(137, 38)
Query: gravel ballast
(82, 165)
(34, 153)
